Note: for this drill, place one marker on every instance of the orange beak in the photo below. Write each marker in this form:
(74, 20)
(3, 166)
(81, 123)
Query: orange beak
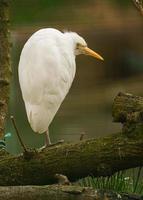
(92, 53)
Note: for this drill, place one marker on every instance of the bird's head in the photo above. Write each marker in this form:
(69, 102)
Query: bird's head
(80, 46)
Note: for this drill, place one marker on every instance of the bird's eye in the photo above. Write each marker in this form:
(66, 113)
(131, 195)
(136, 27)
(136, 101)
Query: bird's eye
(77, 46)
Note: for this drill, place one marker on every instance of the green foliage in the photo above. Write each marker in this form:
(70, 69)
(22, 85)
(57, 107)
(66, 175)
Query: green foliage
(130, 181)
(25, 12)
(45, 11)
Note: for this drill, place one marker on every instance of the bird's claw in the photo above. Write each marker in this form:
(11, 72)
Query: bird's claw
(51, 145)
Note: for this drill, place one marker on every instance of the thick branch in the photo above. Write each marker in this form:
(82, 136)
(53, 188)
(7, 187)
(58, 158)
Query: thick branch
(53, 192)
(97, 157)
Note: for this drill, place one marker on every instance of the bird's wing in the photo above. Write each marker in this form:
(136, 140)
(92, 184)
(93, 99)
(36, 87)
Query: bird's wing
(45, 80)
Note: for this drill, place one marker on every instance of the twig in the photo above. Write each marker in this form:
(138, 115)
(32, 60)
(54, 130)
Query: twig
(139, 5)
(82, 136)
(18, 135)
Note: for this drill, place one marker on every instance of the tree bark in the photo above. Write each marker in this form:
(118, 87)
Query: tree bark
(59, 192)
(128, 108)
(97, 157)
(4, 62)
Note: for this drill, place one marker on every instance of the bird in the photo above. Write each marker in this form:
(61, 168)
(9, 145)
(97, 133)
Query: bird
(46, 71)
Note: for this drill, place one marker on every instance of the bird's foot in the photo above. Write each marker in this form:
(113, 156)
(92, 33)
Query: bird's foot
(56, 143)
(46, 146)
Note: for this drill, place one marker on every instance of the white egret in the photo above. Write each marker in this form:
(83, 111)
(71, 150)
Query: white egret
(46, 71)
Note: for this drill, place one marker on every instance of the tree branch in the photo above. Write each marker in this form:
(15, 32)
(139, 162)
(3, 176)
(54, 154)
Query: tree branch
(4, 62)
(139, 5)
(60, 192)
(97, 157)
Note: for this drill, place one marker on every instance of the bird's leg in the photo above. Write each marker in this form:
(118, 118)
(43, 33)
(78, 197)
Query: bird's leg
(47, 140)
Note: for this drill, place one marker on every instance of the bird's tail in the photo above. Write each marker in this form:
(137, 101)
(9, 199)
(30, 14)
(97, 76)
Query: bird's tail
(38, 118)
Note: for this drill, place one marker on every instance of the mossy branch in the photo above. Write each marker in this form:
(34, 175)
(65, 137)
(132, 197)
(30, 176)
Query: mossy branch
(97, 157)
(60, 192)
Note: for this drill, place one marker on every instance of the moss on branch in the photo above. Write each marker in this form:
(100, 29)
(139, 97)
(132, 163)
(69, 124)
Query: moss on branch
(60, 192)
(97, 157)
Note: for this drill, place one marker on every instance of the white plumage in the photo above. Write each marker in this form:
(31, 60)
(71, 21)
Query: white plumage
(46, 71)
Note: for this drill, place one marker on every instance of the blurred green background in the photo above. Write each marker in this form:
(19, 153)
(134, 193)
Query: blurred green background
(112, 28)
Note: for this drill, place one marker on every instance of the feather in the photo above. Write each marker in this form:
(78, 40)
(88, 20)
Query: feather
(46, 72)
